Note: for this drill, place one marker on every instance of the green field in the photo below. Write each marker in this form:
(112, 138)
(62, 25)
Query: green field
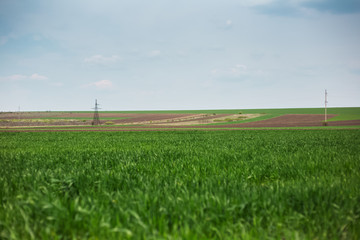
(144, 128)
(266, 184)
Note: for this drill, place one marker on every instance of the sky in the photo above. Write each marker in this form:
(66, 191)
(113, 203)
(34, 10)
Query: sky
(169, 55)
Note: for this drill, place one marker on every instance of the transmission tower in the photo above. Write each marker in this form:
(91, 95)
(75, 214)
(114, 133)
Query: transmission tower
(326, 102)
(96, 120)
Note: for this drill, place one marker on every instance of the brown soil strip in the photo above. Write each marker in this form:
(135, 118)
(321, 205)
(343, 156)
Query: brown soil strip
(290, 120)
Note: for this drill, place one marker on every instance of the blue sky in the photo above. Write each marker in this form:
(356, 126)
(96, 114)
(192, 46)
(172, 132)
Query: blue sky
(162, 54)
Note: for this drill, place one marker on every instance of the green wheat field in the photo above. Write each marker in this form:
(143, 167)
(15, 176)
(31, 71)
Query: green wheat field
(256, 184)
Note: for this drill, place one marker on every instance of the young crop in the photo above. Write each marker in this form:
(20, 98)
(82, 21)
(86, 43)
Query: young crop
(183, 184)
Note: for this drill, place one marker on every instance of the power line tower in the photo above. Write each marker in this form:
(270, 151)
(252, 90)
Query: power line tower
(326, 102)
(96, 120)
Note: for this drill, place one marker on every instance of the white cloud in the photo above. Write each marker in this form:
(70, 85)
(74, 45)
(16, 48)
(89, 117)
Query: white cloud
(229, 22)
(154, 53)
(36, 76)
(19, 77)
(14, 77)
(102, 84)
(100, 59)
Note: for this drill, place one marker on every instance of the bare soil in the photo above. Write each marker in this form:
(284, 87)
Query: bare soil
(209, 118)
(56, 119)
(160, 121)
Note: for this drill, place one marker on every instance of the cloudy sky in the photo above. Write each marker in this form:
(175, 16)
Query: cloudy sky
(164, 54)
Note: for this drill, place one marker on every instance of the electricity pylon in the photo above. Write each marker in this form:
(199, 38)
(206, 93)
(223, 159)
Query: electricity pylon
(326, 102)
(96, 120)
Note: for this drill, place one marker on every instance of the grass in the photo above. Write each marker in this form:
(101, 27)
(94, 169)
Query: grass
(345, 117)
(339, 111)
(144, 128)
(180, 184)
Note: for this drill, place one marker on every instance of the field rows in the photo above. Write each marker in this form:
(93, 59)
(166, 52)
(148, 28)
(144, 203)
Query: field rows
(180, 184)
(192, 118)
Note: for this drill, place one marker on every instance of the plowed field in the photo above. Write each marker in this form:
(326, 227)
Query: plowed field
(159, 121)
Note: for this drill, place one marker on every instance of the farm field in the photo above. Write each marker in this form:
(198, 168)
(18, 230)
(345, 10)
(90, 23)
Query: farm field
(260, 184)
(248, 118)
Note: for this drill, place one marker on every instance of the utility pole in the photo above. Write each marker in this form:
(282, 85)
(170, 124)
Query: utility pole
(326, 106)
(96, 120)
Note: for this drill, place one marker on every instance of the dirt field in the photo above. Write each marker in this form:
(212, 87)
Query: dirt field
(131, 121)
(56, 119)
